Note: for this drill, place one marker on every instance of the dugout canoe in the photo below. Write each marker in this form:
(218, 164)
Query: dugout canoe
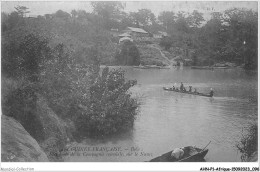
(192, 93)
(191, 154)
(202, 67)
(152, 67)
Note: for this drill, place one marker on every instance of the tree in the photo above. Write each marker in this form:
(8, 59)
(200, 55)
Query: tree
(22, 10)
(241, 36)
(111, 108)
(81, 14)
(24, 56)
(62, 14)
(143, 17)
(106, 9)
(4, 19)
(231, 36)
(167, 18)
(126, 21)
(210, 36)
(10, 21)
(135, 17)
(182, 25)
(195, 19)
(216, 16)
(146, 16)
(74, 14)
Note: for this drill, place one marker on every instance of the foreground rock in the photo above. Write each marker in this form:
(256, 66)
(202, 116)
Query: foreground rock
(17, 145)
(31, 110)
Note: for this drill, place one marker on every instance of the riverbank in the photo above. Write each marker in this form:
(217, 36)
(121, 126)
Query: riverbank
(31, 111)
(153, 54)
(54, 120)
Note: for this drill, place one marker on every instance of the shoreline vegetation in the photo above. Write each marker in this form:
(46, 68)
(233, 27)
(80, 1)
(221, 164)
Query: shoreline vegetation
(248, 143)
(51, 78)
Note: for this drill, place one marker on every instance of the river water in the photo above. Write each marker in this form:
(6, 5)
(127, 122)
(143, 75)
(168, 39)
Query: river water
(167, 119)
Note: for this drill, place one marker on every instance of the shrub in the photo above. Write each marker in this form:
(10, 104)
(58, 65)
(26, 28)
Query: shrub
(248, 143)
(111, 109)
(99, 104)
(66, 82)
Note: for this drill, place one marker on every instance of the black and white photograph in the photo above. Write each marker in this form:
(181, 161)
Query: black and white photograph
(130, 81)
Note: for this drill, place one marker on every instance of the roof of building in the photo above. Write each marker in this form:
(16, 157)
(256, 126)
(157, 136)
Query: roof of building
(125, 38)
(124, 35)
(139, 30)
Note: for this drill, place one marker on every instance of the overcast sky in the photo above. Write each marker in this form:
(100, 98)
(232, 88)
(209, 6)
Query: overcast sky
(47, 7)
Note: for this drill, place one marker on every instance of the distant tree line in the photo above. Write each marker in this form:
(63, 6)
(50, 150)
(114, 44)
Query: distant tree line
(229, 36)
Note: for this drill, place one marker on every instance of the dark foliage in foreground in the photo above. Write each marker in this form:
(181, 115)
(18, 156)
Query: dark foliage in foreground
(111, 108)
(249, 142)
(67, 77)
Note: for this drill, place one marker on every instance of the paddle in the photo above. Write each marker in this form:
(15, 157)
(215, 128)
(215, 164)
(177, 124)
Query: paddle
(205, 146)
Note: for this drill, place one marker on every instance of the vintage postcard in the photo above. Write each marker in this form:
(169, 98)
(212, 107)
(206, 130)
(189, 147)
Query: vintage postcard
(129, 81)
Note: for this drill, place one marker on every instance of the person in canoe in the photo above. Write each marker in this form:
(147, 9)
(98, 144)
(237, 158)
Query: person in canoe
(181, 87)
(174, 86)
(211, 92)
(177, 153)
(190, 89)
(195, 91)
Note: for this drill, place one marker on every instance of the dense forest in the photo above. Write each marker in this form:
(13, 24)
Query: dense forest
(228, 36)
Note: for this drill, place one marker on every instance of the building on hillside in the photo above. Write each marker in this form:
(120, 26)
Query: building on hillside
(124, 35)
(136, 32)
(124, 39)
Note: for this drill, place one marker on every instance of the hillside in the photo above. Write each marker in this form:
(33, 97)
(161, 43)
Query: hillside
(150, 54)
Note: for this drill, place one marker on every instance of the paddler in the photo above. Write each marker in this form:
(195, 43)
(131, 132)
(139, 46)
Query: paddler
(177, 153)
(211, 92)
(181, 87)
(190, 89)
(174, 86)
